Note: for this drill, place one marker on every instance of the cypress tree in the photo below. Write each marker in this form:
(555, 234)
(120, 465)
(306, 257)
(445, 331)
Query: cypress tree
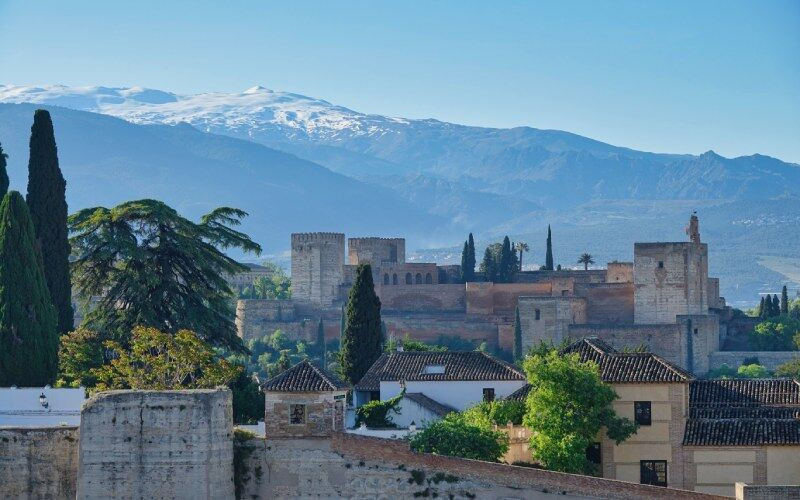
(361, 341)
(489, 266)
(3, 174)
(762, 309)
(517, 335)
(548, 258)
(321, 341)
(784, 300)
(776, 305)
(506, 263)
(465, 275)
(28, 335)
(48, 207)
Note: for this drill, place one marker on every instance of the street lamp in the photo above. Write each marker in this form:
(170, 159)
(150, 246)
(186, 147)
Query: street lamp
(43, 401)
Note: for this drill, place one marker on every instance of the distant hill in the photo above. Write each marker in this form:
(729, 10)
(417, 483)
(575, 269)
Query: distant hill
(427, 180)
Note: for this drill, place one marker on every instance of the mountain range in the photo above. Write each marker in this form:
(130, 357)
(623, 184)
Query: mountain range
(297, 163)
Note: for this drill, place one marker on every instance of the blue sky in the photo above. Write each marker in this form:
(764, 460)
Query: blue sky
(659, 76)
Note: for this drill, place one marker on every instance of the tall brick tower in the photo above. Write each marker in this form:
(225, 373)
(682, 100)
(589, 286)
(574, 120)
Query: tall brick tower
(317, 267)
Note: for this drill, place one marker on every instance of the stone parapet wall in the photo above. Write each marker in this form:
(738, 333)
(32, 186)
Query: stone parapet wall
(760, 492)
(422, 298)
(156, 444)
(38, 462)
(495, 298)
(429, 328)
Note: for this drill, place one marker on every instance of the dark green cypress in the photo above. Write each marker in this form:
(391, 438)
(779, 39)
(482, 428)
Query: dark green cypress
(761, 312)
(517, 335)
(505, 266)
(548, 258)
(48, 207)
(28, 336)
(776, 305)
(465, 274)
(489, 266)
(784, 300)
(3, 173)
(361, 341)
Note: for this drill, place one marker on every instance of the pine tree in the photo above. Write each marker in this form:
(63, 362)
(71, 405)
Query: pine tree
(361, 341)
(776, 305)
(3, 174)
(48, 206)
(517, 335)
(762, 311)
(489, 266)
(28, 335)
(784, 300)
(548, 258)
(320, 344)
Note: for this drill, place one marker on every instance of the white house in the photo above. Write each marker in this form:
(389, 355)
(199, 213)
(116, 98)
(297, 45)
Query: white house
(436, 383)
(40, 406)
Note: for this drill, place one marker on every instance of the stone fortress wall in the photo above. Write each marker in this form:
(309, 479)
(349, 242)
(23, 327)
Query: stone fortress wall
(39, 462)
(663, 299)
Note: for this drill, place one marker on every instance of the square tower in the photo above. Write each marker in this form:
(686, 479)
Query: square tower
(317, 267)
(670, 279)
(376, 251)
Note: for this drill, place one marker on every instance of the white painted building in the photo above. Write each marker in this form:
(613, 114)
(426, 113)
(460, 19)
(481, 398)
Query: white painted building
(436, 383)
(40, 406)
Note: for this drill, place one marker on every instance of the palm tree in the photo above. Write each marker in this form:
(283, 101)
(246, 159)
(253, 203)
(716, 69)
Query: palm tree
(520, 247)
(586, 259)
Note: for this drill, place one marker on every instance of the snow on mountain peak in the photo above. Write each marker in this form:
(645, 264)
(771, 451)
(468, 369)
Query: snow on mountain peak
(255, 111)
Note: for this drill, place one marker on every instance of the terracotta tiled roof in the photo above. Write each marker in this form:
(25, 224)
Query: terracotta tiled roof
(741, 432)
(717, 393)
(304, 377)
(623, 367)
(424, 401)
(411, 366)
(743, 412)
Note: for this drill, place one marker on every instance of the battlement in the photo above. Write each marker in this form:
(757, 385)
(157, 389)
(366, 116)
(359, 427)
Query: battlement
(317, 237)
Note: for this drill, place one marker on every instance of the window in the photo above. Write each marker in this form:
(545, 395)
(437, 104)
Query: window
(297, 414)
(488, 394)
(593, 453)
(538, 315)
(695, 331)
(433, 369)
(394, 279)
(661, 264)
(419, 278)
(408, 278)
(653, 472)
(428, 279)
(385, 279)
(374, 395)
(642, 412)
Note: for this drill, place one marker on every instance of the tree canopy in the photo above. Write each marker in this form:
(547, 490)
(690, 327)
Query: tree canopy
(455, 436)
(468, 260)
(28, 336)
(567, 406)
(151, 267)
(362, 340)
(3, 173)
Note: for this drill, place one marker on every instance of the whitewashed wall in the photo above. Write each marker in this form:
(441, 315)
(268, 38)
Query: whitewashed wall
(458, 394)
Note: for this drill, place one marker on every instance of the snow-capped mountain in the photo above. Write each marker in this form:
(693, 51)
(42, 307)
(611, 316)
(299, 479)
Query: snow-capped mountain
(255, 111)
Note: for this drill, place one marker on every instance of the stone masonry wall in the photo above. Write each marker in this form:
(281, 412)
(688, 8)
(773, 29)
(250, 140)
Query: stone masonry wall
(323, 414)
(38, 462)
(770, 359)
(317, 266)
(422, 298)
(148, 444)
(610, 303)
(375, 251)
(350, 466)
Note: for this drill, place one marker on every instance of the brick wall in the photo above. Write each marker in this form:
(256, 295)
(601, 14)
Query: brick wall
(610, 303)
(497, 298)
(422, 298)
(38, 462)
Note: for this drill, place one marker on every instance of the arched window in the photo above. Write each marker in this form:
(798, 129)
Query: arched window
(385, 279)
(408, 278)
(419, 279)
(394, 279)
(428, 279)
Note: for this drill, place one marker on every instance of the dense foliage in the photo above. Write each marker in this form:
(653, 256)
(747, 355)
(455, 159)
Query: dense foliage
(454, 436)
(152, 267)
(789, 369)
(375, 414)
(158, 360)
(468, 260)
(275, 286)
(780, 333)
(362, 341)
(567, 407)
(500, 264)
(746, 370)
(3, 173)
(487, 414)
(47, 203)
(80, 351)
(248, 400)
(28, 321)
(271, 354)
(412, 345)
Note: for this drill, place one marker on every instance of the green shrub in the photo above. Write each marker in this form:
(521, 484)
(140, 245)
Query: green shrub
(375, 414)
(454, 437)
(781, 333)
(487, 414)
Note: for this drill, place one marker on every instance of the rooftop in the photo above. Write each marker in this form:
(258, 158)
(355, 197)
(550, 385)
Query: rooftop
(305, 377)
(437, 366)
(434, 406)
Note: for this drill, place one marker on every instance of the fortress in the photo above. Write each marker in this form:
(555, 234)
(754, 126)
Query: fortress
(664, 299)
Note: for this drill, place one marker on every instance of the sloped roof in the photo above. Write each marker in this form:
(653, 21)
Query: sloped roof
(305, 377)
(458, 366)
(434, 406)
(743, 412)
(520, 394)
(627, 367)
